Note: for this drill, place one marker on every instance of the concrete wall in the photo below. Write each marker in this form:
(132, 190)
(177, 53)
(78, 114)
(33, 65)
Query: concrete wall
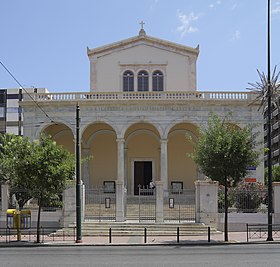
(207, 209)
(57, 218)
(237, 221)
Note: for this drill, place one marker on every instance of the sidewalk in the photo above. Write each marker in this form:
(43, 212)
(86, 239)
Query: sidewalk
(216, 239)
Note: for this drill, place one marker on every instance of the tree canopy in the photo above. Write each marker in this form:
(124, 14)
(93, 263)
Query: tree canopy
(275, 174)
(40, 168)
(224, 151)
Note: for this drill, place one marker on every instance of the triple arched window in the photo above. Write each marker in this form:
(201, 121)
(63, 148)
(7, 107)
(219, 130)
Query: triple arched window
(144, 81)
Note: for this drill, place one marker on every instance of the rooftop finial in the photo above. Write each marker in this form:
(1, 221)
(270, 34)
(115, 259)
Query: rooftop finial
(142, 31)
(142, 24)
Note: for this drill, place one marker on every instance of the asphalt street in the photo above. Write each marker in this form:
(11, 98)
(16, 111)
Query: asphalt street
(222, 255)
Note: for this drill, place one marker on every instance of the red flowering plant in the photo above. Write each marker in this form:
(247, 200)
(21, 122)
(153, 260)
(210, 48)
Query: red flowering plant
(248, 197)
(245, 197)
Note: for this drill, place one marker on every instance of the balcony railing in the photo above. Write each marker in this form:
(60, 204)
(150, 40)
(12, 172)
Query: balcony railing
(114, 96)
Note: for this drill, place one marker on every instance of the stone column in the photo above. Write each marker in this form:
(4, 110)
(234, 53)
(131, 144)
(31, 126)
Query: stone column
(206, 195)
(120, 201)
(163, 163)
(5, 198)
(125, 168)
(120, 142)
(276, 202)
(159, 201)
(120, 182)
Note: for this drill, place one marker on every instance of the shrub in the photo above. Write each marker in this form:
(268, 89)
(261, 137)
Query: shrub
(249, 196)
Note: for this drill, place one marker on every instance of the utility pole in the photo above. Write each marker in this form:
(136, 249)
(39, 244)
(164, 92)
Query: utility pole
(78, 180)
(19, 112)
(269, 160)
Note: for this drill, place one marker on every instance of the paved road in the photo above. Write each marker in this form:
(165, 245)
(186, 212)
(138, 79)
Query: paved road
(224, 255)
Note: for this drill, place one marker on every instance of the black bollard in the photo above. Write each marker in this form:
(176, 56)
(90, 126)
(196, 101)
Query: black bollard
(145, 235)
(110, 235)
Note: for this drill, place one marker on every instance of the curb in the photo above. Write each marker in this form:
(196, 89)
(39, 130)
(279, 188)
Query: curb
(187, 243)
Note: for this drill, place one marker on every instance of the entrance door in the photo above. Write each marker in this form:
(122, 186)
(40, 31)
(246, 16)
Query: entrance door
(142, 174)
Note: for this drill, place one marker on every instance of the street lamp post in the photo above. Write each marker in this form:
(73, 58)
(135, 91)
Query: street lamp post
(78, 179)
(269, 160)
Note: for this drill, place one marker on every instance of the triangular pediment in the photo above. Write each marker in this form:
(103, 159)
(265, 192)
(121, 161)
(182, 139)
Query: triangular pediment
(142, 40)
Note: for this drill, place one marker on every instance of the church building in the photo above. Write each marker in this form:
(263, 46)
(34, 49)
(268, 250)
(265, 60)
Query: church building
(135, 121)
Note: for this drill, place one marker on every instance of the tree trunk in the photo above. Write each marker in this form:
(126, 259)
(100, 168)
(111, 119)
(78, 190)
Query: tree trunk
(226, 212)
(38, 221)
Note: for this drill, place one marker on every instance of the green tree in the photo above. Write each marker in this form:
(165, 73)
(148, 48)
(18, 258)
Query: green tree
(275, 174)
(54, 165)
(16, 154)
(224, 152)
(41, 166)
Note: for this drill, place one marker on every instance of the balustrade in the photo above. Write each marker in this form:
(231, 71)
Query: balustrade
(167, 95)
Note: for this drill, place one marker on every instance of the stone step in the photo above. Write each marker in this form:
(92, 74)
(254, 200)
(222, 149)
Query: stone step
(137, 229)
(132, 211)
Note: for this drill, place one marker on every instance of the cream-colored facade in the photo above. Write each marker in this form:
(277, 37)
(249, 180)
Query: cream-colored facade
(142, 105)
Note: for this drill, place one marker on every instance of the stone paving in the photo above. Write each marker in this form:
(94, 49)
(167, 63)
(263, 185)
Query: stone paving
(217, 238)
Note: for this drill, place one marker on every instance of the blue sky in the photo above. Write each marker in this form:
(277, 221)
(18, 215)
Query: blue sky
(43, 42)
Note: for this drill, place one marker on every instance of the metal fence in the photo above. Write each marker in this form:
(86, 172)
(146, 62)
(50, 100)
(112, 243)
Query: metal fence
(23, 198)
(147, 204)
(259, 231)
(100, 205)
(47, 234)
(244, 200)
(179, 205)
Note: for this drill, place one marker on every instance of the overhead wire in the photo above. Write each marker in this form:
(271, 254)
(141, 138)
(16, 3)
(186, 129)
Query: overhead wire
(45, 113)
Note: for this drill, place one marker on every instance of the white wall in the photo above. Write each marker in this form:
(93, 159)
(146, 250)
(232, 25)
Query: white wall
(179, 69)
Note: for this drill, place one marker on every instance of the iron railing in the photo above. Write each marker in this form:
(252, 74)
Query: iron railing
(147, 204)
(100, 205)
(47, 234)
(259, 231)
(244, 200)
(179, 205)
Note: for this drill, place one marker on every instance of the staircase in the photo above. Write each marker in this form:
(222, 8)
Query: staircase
(137, 229)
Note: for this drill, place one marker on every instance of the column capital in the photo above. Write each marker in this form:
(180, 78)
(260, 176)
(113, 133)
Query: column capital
(120, 140)
(164, 141)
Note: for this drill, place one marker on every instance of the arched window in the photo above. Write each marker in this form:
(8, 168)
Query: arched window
(157, 80)
(128, 81)
(143, 80)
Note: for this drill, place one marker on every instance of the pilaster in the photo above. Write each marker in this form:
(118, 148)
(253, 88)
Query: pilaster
(4, 197)
(159, 201)
(276, 202)
(207, 202)
(69, 206)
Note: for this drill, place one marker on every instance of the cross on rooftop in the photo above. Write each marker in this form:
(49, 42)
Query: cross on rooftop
(142, 24)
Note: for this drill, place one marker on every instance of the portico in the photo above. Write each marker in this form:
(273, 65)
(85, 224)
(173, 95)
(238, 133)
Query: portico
(136, 120)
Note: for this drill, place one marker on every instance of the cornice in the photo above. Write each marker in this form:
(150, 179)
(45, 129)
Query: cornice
(149, 40)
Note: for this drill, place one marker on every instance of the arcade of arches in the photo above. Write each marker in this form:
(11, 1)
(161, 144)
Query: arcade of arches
(139, 156)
